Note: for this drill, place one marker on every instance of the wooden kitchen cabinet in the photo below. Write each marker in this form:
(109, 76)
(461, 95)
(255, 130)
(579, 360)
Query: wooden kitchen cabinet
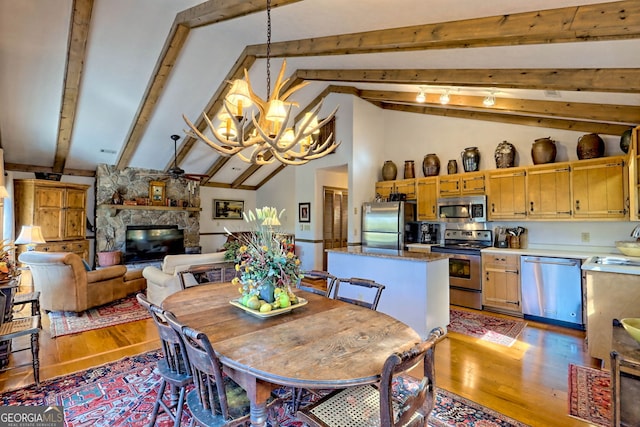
(427, 198)
(384, 189)
(405, 186)
(469, 183)
(600, 188)
(549, 191)
(634, 175)
(507, 194)
(58, 208)
(501, 283)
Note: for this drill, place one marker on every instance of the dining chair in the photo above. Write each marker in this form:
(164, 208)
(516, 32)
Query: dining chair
(398, 400)
(374, 299)
(328, 278)
(216, 399)
(174, 370)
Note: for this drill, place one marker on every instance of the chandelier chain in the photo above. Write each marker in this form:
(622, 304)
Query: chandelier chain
(268, 48)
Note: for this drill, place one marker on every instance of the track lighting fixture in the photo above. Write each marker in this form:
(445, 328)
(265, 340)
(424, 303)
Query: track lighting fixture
(489, 100)
(421, 96)
(444, 98)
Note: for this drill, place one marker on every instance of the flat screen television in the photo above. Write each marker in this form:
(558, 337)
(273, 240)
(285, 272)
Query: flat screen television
(152, 242)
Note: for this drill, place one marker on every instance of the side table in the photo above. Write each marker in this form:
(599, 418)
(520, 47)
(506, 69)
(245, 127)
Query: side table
(625, 377)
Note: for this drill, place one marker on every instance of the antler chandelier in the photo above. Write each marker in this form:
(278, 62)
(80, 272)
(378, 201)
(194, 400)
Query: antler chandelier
(267, 133)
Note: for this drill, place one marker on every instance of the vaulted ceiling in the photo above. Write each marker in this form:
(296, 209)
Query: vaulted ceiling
(86, 82)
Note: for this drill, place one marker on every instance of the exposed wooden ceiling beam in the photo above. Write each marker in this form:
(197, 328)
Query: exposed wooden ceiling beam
(209, 12)
(582, 111)
(622, 80)
(76, 51)
(606, 21)
(547, 122)
(17, 167)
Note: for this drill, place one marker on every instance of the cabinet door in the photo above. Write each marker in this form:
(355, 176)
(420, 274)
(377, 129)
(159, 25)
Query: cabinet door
(549, 192)
(449, 186)
(49, 212)
(634, 176)
(599, 188)
(507, 195)
(501, 282)
(472, 183)
(427, 198)
(74, 214)
(406, 186)
(384, 189)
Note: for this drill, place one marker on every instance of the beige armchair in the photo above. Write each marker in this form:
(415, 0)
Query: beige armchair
(66, 285)
(165, 281)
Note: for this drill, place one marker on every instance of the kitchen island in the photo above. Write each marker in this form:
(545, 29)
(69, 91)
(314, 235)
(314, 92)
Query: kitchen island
(416, 284)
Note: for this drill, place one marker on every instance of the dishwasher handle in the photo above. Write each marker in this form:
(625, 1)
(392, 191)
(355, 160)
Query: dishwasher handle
(568, 263)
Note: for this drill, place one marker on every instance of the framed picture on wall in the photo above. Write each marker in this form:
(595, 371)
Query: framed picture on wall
(227, 209)
(304, 212)
(157, 193)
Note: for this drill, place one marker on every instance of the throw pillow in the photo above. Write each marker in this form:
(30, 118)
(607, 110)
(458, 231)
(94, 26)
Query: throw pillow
(86, 265)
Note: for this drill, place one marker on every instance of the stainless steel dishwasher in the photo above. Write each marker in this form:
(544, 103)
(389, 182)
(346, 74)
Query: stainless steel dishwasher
(552, 290)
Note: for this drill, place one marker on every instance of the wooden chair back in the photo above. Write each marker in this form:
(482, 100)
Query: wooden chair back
(423, 399)
(329, 279)
(172, 344)
(207, 373)
(372, 303)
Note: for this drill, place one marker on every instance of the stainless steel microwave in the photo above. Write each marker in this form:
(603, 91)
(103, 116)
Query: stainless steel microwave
(462, 209)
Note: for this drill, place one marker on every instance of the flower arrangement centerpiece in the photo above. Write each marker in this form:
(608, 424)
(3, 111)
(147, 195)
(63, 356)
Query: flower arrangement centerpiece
(266, 264)
(8, 268)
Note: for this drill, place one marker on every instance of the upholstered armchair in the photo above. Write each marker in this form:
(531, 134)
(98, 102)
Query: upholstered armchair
(66, 285)
(162, 282)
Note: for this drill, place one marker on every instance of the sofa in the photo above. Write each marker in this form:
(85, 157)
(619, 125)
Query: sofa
(164, 281)
(65, 284)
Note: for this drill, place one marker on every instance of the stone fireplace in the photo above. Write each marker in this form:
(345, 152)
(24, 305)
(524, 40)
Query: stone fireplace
(131, 185)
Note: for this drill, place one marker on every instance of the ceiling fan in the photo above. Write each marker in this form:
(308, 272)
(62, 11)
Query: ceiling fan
(176, 172)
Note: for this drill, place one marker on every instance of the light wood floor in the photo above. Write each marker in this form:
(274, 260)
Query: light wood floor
(527, 381)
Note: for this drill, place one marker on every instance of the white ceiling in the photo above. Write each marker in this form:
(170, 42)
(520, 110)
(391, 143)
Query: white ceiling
(127, 36)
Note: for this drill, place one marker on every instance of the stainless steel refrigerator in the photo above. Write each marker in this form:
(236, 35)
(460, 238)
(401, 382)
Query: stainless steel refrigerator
(383, 224)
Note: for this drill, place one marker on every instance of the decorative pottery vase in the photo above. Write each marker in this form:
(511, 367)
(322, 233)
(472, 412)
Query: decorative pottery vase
(590, 146)
(543, 151)
(470, 159)
(505, 155)
(452, 167)
(389, 171)
(625, 141)
(431, 165)
(266, 291)
(409, 169)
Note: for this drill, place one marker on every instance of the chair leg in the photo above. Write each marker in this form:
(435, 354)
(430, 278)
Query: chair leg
(156, 406)
(35, 355)
(183, 392)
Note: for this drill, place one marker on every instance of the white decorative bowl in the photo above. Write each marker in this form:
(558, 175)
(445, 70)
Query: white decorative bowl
(627, 247)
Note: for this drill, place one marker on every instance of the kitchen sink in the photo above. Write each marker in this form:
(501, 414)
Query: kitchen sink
(616, 261)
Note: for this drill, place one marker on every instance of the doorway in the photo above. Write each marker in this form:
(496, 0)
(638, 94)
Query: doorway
(334, 220)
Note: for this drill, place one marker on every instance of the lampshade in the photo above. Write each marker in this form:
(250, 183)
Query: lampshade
(30, 235)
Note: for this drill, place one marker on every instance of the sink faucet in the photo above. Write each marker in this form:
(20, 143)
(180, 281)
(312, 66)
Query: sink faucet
(636, 232)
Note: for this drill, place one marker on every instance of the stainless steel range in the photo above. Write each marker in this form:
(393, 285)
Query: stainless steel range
(465, 265)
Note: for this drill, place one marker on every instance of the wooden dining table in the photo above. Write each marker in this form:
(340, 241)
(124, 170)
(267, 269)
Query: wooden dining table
(324, 344)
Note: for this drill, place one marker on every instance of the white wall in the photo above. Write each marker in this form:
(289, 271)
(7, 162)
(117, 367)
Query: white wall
(212, 234)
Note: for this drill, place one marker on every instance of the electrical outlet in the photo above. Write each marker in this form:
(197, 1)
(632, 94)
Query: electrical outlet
(585, 237)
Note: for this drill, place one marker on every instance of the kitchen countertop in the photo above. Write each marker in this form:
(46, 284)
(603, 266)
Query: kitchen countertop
(389, 253)
(588, 257)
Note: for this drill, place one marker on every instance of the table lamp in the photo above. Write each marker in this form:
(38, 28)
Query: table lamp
(30, 235)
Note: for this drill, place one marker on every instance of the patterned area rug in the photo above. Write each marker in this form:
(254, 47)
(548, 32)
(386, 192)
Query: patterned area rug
(498, 330)
(122, 393)
(118, 312)
(590, 395)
